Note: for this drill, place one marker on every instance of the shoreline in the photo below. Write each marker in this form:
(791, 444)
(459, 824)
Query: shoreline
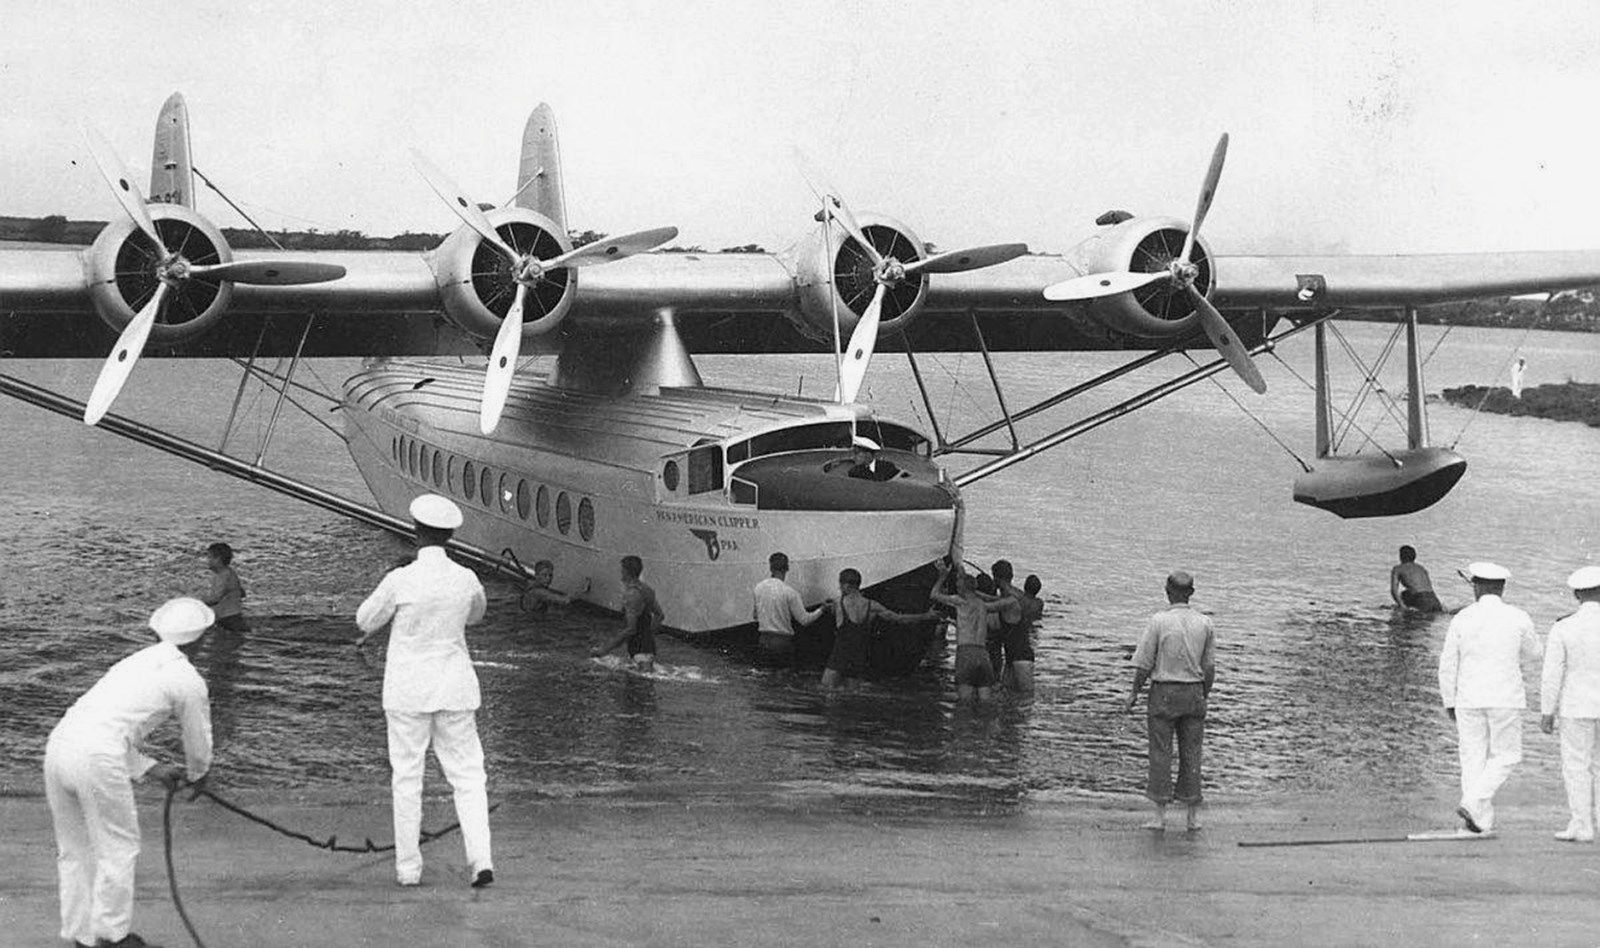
(660, 869)
(1561, 401)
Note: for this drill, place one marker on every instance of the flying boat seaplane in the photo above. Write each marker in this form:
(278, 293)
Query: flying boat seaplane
(621, 447)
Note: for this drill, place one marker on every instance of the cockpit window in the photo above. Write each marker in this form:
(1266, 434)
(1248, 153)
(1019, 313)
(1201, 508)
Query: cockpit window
(799, 438)
(705, 469)
(895, 437)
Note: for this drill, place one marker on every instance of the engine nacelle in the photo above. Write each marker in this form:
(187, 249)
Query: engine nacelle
(1144, 245)
(846, 283)
(123, 265)
(477, 282)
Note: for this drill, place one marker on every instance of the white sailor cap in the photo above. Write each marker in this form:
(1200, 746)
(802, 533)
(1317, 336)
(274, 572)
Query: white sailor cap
(1492, 572)
(867, 443)
(182, 620)
(1586, 578)
(431, 510)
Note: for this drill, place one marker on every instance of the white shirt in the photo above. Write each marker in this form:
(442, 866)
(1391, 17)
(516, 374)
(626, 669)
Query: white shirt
(1571, 680)
(778, 607)
(432, 601)
(133, 698)
(1480, 666)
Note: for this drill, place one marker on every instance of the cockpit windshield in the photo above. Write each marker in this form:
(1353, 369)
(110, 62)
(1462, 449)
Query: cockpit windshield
(895, 437)
(800, 438)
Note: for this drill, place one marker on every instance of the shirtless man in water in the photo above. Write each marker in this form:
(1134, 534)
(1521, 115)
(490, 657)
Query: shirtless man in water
(1409, 585)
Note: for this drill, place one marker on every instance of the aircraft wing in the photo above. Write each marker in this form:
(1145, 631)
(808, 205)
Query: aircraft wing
(1376, 282)
(394, 303)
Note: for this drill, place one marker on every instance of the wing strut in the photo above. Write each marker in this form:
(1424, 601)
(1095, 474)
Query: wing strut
(983, 346)
(1148, 397)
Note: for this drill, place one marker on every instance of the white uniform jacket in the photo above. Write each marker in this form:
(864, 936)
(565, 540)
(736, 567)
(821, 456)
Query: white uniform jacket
(432, 601)
(778, 607)
(1481, 664)
(1570, 685)
(132, 699)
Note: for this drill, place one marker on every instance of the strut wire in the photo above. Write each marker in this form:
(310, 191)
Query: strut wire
(1251, 415)
(1488, 389)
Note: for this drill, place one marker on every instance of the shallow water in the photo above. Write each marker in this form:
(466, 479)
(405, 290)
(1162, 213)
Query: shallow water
(1321, 684)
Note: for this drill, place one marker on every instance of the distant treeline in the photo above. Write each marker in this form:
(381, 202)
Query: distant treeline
(1569, 311)
(56, 229)
(1569, 401)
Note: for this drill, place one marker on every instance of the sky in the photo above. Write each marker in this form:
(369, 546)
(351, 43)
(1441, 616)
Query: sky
(1355, 126)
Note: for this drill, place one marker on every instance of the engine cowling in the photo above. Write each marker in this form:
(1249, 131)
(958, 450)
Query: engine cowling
(1145, 245)
(123, 265)
(477, 281)
(848, 285)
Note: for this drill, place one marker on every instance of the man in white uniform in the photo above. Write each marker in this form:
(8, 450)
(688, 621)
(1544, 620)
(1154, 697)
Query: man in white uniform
(1480, 683)
(430, 691)
(1570, 687)
(92, 757)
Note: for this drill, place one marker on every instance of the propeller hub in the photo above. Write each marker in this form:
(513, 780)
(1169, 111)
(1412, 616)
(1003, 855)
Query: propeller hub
(529, 270)
(892, 273)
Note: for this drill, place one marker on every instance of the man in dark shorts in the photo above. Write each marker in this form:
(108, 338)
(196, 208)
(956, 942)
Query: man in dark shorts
(1410, 586)
(974, 675)
(641, 617)
(853, 615)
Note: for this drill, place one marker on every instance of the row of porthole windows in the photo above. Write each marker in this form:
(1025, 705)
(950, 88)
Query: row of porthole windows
(478, 483)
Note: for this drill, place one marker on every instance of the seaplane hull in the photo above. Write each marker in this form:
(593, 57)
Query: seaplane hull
(584, 481)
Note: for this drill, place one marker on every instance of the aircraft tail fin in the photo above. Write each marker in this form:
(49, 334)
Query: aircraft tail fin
(171, 172)
(539, 187)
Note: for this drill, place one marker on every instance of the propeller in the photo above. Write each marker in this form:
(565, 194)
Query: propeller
(1181, 273)
(527, 270)
(888, 272)
(171, 270)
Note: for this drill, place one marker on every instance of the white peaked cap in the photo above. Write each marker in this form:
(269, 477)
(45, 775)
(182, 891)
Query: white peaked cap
(182, 620)
(431, 510)
(1489, 571)
(1585, 578)
(867, 443)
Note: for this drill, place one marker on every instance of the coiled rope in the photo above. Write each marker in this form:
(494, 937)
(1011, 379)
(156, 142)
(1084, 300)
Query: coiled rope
(331, 844)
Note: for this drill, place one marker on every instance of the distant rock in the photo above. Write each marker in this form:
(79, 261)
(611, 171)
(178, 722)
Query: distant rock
(1566, 401)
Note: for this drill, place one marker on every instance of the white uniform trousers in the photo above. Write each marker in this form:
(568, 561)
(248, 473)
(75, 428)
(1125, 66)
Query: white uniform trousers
(97, 838)
(1580, 770)
(1490, 748)
(454, 735)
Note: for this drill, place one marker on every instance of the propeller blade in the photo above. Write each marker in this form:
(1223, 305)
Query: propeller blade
(613, 248)
(862, 342)
(270, 272)
(837, 210)
(122, 187)
(128, 348)
(1221, 336)
(502, 363)
(976, 258)
(1207, 192)
(465, 207)
(1096, 285)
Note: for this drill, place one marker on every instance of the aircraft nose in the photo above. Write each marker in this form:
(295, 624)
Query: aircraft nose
(817, 480)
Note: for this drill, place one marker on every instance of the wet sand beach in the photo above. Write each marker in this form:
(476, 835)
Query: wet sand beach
(668, 870)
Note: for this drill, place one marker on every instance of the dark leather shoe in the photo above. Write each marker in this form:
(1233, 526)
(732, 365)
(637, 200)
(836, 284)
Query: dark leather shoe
(484, 880)
(1466, 817)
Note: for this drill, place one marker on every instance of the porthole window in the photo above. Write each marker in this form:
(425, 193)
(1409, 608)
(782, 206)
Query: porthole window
(486, 487)
(541, 506)
(438, 468)
(563, 513)
(450, 474)
(507, 495)
(524, 499)
(669, 475)
(586, 519)
(469, 480)
(411, 457)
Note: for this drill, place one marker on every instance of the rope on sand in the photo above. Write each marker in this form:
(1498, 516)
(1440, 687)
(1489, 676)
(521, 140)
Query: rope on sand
(331, 843)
